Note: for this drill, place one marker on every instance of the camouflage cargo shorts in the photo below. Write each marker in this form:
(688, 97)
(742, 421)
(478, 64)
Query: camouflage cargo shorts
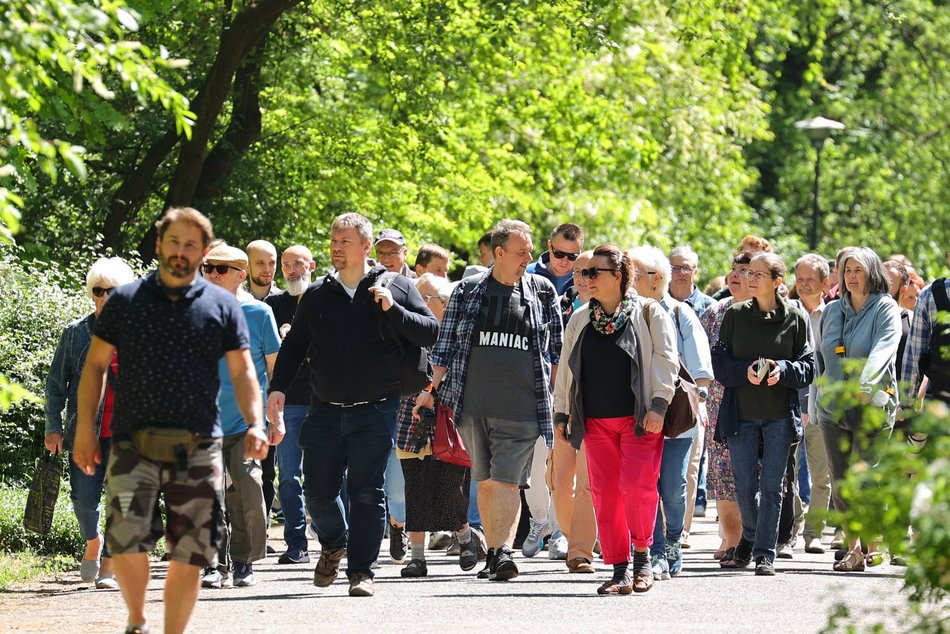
(194, 502)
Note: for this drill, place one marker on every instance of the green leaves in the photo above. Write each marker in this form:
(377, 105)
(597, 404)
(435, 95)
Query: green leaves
(51, 51)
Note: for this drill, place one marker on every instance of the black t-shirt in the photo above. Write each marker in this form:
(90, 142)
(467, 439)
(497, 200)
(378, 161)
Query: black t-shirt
(168, 353)
(500, 381)
(284, 306)
(606, 374)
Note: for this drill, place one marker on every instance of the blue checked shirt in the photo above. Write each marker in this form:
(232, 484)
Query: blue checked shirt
(918, 341)
(454, 345)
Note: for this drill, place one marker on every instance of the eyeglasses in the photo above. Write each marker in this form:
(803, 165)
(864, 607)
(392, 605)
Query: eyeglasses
(99, 291)
(757, 275)
(429, 298)
(564, 254)
(683, 269)
(593, 272)
(221, 269)
(387, 254)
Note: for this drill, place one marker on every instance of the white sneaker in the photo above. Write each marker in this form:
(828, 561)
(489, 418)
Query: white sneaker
(439, 540)
(532, 543)
(557, 546)
(212, 578)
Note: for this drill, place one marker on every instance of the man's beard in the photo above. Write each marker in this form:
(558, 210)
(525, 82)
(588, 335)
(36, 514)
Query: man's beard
(260, 281)
(178, 266)
(297, 287)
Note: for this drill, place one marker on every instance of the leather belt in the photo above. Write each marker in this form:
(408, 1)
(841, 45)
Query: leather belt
(345, 405)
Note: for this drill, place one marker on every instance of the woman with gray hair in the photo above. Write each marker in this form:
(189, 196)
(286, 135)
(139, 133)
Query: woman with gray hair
(652, 271)
(61, 386)
(859, 331)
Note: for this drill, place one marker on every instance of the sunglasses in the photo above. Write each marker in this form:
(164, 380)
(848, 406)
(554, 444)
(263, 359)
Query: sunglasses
(593, 272)
(99, 291)
(221, 269)
(560, 255)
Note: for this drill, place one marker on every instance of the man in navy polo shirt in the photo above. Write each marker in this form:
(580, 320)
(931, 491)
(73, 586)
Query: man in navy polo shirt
(170, 329)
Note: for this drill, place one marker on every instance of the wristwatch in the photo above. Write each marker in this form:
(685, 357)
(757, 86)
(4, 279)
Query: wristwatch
(703, 394)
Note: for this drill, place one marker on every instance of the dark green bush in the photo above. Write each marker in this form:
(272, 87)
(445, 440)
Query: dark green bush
(63, 538)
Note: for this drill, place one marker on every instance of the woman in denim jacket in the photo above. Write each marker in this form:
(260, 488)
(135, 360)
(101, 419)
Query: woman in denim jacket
(61, 386)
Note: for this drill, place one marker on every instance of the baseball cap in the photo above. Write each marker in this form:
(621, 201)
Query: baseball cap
(229, 254)
(391, 235)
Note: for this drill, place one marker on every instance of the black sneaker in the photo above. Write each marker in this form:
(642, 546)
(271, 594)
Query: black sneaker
(764, 567)
(743, 555)
(294, 556)
(416, 568)
(489, 557)
(243, 575)
(398, 543)
(468, 554)
(503, 567)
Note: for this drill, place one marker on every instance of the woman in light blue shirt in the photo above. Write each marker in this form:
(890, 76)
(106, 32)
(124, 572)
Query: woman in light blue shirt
(862, 328)
(653, 272)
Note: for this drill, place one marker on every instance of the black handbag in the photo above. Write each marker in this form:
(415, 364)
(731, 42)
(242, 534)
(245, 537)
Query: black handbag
(44, 490)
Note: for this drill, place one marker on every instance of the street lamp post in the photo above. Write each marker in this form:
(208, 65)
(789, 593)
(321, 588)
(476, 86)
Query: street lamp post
(818, 130)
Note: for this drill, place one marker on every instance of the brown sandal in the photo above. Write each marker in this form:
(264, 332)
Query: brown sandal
(852, 562)
(642, 580)
(616, 587)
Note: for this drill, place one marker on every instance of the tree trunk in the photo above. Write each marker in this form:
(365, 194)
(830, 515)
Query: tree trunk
(246, 31)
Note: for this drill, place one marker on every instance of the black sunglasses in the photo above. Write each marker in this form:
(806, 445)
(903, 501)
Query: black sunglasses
(564, 254)
(222, 269)
(593, 271)
(99, 291)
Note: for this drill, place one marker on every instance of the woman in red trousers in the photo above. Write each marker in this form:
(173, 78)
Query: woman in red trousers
(612, 392)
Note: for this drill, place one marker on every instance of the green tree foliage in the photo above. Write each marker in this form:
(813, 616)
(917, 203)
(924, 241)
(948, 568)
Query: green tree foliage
(62, 62)
(882, 70)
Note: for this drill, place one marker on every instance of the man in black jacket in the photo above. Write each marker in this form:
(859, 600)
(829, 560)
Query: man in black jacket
(346, 324)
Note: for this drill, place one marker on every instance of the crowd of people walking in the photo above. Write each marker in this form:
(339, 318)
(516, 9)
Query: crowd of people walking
(556, 373)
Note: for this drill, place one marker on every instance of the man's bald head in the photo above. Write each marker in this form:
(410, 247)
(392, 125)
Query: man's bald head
(262, 261)
(297, 265)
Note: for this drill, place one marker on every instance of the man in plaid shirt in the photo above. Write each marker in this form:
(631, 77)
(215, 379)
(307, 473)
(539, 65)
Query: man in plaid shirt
(494, 365)
(918, 342)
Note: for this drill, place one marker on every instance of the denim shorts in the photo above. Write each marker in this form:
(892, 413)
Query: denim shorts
(501, 450)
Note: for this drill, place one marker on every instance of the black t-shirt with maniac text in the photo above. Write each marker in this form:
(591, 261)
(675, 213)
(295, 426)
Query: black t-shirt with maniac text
(168, 353)
(500, 381)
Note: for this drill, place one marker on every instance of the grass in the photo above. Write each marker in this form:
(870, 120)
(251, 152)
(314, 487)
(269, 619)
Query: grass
(26, 566)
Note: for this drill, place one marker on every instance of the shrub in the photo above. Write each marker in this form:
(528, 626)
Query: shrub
(37, 301)
(62, 539)
(906, 487)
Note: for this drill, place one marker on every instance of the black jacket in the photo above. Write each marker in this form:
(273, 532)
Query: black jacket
(353, 356)
(284, 306)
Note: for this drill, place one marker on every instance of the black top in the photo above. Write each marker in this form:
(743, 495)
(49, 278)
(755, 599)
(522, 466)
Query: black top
(169, 351)
(284, 306)
(606, 376)
(353, 356)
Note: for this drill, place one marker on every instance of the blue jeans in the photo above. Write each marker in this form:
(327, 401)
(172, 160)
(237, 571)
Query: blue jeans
(759, 494)
(290, 478)
(86, 494)
(701, 485)
(804, 477)
(474, 518)
(356, 441)
(672, 487)
(395, 488)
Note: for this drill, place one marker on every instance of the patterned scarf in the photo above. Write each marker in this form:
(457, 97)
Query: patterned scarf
(609, 324)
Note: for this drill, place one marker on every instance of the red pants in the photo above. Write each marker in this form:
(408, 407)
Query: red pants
(624, 469)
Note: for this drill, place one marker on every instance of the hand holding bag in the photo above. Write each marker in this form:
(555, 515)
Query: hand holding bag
(41, 502)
